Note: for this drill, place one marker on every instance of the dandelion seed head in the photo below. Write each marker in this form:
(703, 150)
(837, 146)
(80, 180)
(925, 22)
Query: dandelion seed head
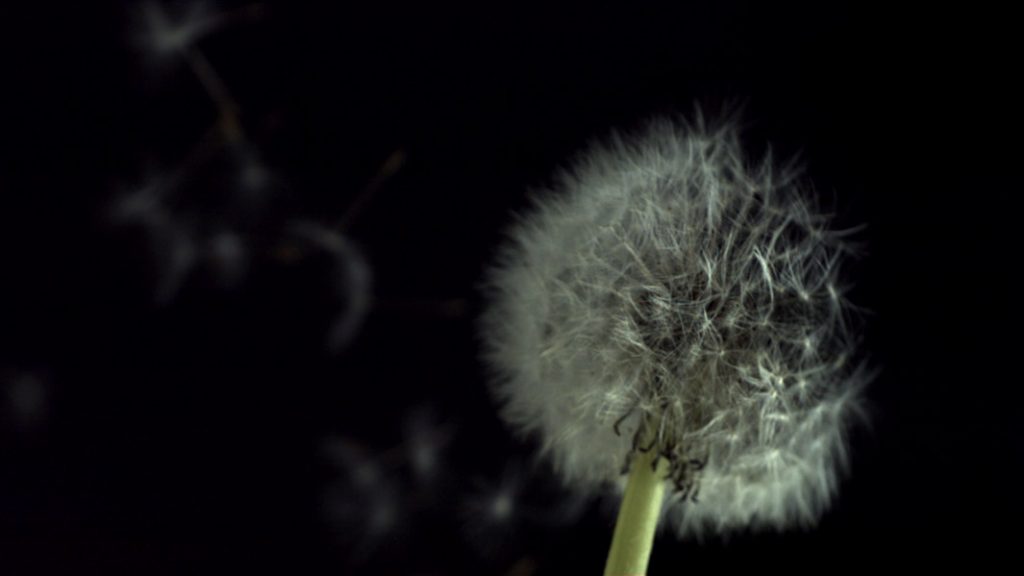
(664, 279)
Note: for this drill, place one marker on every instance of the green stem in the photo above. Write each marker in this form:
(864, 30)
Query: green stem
(638, 516)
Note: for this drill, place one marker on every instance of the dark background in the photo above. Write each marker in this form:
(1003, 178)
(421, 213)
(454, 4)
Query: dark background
(202, 431)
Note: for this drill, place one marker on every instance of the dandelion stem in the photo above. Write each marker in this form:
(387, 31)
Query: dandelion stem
(638, 516)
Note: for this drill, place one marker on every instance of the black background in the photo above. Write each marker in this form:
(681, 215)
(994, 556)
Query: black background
(190, 435)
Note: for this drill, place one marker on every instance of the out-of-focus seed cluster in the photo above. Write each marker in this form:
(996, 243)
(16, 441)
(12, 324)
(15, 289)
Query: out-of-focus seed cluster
(378, 502)
(665, 282)
(219, 209)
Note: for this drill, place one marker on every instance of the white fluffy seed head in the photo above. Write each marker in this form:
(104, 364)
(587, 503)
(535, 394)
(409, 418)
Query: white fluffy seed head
(664, 280)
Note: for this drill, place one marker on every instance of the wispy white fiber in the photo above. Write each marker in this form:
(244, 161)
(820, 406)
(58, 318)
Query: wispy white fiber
(665, 279)
(351, 278)
(167, 31)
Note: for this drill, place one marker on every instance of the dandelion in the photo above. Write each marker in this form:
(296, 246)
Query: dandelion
(670, 311)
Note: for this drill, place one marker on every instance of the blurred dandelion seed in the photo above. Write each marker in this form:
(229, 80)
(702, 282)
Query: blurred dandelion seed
(364, 504)
(351, 278)
(492, 511)
(254, 178)
(167, 35)
(28, 398)
(176, 248)
(391, 165)
(171, 240)
(228, 257)
(425, 442)
(164, 33)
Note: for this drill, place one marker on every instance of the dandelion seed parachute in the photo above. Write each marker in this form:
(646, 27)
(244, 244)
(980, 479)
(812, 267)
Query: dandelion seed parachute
(26, 397)
(492, 513)
(351, 277)
(172, 237)
(663, 279)
(169, 33)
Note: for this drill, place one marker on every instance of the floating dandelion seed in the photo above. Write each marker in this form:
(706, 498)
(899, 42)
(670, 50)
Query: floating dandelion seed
(351, 278)
(166, 33)
(228, 257)
(669, 304)
(493, 511)
(426, 440)
(27, 398)
(364, 504)
(255, 183)
(172, 238)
